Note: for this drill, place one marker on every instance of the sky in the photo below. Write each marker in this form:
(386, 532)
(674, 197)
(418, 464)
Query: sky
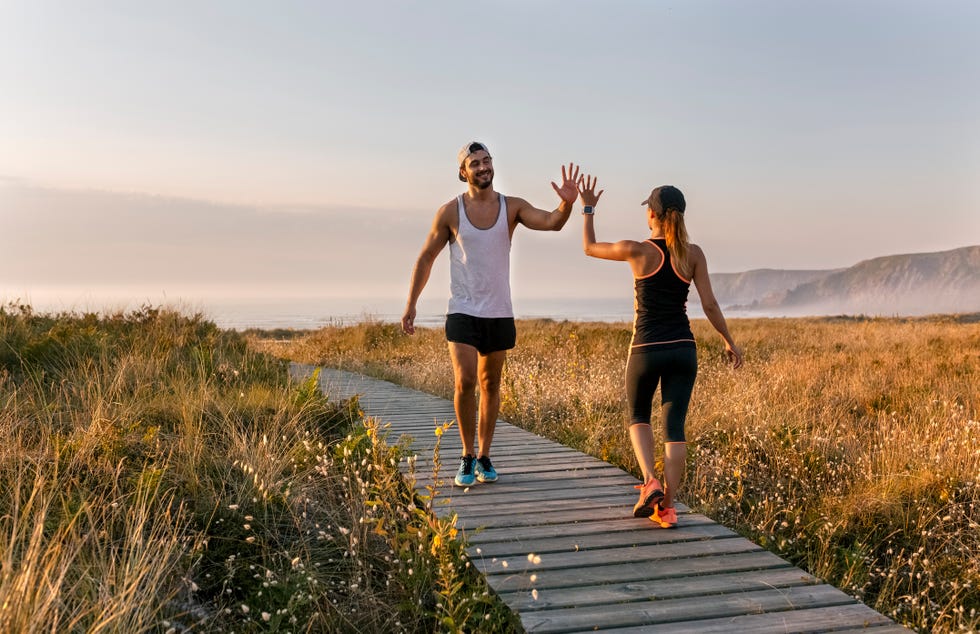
(221, 150)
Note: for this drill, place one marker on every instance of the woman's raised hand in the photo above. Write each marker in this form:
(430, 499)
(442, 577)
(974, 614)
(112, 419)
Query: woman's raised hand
(586, 190)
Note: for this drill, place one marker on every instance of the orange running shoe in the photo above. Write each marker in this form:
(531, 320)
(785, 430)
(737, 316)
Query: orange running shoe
(666, 516)
(651, 494)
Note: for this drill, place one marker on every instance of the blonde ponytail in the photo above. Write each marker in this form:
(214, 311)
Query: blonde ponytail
(675, 233)
(668, 204)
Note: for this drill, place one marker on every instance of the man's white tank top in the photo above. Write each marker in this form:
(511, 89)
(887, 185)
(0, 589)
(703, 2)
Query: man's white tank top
(479, 267)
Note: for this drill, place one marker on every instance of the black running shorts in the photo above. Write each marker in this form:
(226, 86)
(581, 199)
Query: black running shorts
(483, 333)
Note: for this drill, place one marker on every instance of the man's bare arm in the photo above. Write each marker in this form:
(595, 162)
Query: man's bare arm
(541, 220)
(434, 243)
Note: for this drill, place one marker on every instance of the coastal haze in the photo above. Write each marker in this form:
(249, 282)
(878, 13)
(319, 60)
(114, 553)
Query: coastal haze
(281, 166)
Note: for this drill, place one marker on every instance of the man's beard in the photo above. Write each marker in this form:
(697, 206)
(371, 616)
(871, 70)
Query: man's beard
(479, 183)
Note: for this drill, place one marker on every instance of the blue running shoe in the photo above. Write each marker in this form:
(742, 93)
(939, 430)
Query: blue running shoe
(464, 476)
(484, 470)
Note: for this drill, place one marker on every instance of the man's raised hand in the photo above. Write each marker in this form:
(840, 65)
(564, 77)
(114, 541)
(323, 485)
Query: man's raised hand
(568, 191)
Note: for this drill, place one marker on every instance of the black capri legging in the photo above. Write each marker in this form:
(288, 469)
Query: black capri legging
(675, 370)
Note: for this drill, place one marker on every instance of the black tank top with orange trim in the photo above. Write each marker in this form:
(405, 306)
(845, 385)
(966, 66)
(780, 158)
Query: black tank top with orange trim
(661, 307)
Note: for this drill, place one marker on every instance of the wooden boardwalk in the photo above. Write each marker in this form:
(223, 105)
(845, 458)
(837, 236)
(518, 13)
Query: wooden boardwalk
(556, 539)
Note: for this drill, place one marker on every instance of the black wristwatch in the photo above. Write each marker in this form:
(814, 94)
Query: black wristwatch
(588, 210)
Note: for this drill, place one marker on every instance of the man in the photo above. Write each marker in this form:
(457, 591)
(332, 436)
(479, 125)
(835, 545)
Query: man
(478, 226)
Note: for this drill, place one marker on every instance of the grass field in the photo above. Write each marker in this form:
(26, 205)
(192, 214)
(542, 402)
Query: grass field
(160, 476)
(849, 446)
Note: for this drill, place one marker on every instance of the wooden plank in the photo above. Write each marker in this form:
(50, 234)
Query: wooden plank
(816, 619)
(424, 473)
(421, 414)
(490, 516)
(597, 529)
(528, 453)
(384, 392)
(659, 612)
(502, 438)
(514, 465)
(559, 512)
(519, 579)
(451, 450)
(570, 544)
(481, 515)
(619, 482)
(525, 484)
(562, 515)
(519, 461)
(494, 495)
(548, 476)
(875, 628)
(404, 403)
(515, 449)
(682, 587)
(632, 553)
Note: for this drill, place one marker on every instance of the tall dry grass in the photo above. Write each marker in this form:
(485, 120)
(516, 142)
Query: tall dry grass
(159, 476)
(849, 446)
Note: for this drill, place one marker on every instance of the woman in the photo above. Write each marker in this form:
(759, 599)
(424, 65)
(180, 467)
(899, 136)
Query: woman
(662, 349)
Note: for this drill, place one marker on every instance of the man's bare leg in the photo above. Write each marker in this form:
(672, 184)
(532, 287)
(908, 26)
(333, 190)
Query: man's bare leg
(464, 358)
(491, 368)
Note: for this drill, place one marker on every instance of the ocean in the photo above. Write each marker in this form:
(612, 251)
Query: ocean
(310, 313)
